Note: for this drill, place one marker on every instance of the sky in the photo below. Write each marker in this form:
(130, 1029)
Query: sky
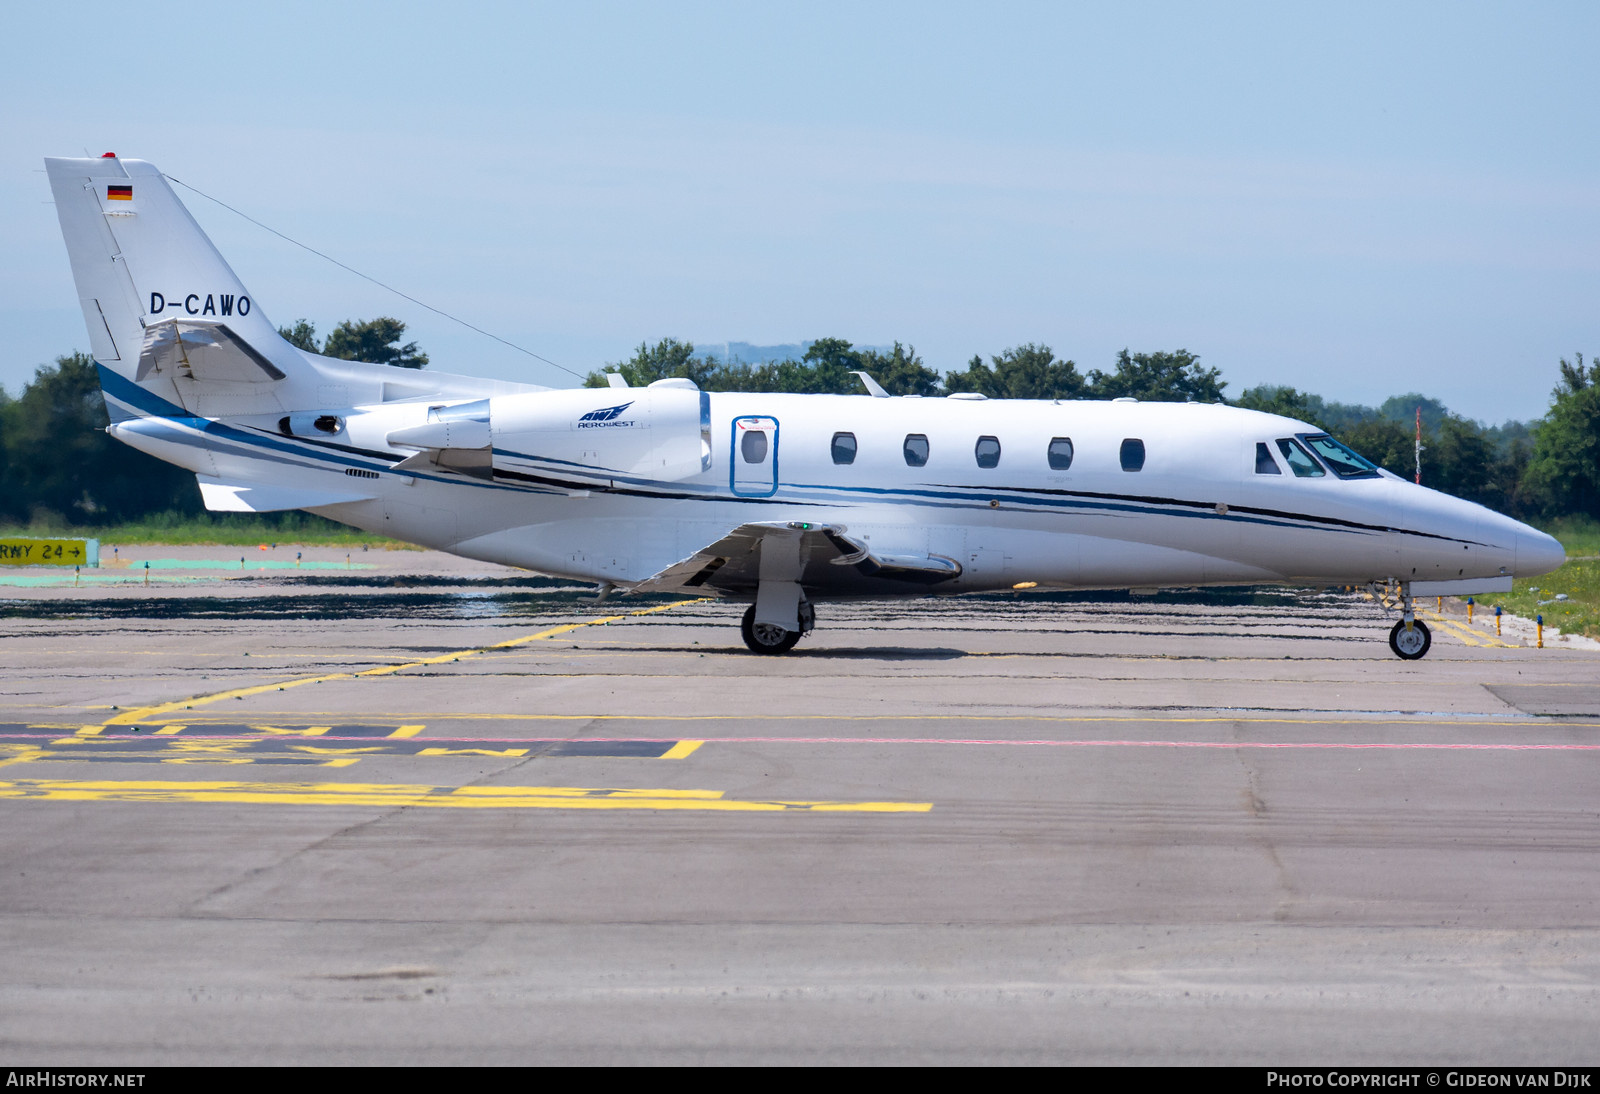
(1358, 200)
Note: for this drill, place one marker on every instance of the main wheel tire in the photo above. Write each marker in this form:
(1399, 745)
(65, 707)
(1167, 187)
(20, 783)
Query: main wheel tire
(1410, 644)
(765, 637)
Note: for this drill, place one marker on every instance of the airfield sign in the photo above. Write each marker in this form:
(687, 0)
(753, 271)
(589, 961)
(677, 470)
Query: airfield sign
(27, 551)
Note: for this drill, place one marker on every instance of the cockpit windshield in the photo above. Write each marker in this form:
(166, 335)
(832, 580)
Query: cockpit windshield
(1341, 460)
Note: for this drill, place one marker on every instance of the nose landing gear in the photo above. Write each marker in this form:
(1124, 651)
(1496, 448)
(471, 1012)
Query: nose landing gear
(1409, 638)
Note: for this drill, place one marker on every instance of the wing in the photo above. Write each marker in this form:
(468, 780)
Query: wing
(830, 560)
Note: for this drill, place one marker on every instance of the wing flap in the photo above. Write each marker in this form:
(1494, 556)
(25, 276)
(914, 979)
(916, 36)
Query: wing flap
(732, 563)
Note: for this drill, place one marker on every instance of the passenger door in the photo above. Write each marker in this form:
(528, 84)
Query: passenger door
(754, 456)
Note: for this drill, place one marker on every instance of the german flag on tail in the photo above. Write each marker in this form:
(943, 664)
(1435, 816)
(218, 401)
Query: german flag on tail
(119, 193)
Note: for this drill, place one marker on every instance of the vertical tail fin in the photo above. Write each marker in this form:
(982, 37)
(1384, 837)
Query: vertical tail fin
(140, 261)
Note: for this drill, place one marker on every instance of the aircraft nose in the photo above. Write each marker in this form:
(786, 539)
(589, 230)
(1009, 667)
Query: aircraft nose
(1537, 553)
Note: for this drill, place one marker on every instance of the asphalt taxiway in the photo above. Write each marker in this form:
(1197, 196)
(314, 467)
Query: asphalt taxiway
(435, 812)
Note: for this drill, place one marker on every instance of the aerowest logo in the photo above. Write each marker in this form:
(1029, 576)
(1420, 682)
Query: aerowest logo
(606, 418)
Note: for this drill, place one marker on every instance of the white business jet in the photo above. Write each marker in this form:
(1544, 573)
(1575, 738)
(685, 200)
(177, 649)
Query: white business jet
(779, 500)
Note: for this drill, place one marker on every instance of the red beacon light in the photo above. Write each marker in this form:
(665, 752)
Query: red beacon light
(108, 155)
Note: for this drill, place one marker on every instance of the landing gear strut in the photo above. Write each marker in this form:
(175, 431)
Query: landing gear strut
(769, 638)
(1409, 638)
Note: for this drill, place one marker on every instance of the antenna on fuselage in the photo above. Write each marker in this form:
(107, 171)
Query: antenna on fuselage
(874, 388)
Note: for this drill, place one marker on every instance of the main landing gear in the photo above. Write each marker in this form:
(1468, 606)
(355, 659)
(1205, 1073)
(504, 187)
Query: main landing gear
(1409, 638)
(770, 638)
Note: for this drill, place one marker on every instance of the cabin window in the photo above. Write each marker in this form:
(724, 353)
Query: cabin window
(1265, 464)
(1344, 462)
(1133, 454)
(1060, 453)
(1300, 461)
(753, 446)
(987, 452)
(844, 448)
(916, 449)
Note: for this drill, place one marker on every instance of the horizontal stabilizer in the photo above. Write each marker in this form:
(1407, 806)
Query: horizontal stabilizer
(198, 350)
(254, 497)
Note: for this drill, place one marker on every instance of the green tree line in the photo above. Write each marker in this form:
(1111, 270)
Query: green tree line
(376, 340)
(1025, 372)
(57, 464)
(1544, 469)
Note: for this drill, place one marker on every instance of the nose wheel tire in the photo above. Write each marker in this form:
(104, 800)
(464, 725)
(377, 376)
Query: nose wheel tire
(1410, 644)
(766, 637)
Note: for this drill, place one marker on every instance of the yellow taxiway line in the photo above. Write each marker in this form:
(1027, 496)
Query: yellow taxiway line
(398, 795)
(1471, 636)
(140, 714)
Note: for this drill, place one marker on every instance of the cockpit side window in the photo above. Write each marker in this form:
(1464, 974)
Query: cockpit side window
(1344, 462)
(1300, 461)
(1265, 464)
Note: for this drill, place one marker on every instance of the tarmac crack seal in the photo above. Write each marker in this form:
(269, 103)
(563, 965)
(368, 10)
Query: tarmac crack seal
(1261, 834)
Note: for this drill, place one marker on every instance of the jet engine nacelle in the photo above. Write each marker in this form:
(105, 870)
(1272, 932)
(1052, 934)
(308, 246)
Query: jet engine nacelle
(660, 432)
